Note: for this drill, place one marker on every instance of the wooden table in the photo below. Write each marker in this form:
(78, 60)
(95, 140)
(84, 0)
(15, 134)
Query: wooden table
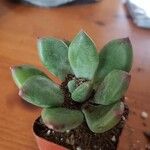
(20, 26)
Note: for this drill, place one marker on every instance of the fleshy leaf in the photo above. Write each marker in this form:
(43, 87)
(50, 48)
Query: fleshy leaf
(62, 119)
(81, 93)
(117, 54)
(54, 55)
(72, 85)
(103, 118)
(21, 73)
(83, 57)
(113, 87)
(41, 92)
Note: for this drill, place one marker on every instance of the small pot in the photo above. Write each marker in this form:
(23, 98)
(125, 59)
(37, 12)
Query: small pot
(45, 144)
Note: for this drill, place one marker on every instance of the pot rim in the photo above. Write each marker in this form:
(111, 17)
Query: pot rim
(43, 143)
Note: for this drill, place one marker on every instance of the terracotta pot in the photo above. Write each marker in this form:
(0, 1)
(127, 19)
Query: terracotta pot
(46, 145)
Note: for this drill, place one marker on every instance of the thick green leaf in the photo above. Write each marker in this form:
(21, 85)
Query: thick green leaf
(72, 85)
(83, 56)
(21, 73)
(54, 55)
(62, 119)
(103, 118)
(117, 54)
(81, 93)
(113, 87)
(41, 92)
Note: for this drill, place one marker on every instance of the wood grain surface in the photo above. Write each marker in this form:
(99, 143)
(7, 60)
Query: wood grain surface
(21, 25)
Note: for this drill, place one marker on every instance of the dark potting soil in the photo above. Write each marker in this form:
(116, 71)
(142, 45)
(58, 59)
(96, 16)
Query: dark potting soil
(81, 138)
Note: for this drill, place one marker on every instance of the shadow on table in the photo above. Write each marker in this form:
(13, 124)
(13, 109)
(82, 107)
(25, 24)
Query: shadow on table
(85, 1)
(13, 101)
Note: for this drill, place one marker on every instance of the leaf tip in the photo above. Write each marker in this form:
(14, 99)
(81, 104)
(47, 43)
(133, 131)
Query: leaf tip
(38, 38)
(118, 112)
(21, 92)
(127, 77)
(82, 33)
(40, 41)
(12, 68)
(125, 40)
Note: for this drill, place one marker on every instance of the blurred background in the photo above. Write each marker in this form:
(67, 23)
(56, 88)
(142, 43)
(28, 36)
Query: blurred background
(23, 21)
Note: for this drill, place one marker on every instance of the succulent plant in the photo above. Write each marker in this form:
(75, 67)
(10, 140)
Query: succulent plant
(95, 83)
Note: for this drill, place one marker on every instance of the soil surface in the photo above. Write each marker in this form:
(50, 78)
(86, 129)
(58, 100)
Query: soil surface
(82, 138)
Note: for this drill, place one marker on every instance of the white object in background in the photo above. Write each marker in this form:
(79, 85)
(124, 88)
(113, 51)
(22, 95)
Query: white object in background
(144, 115)
(48, 3)
(140, 12)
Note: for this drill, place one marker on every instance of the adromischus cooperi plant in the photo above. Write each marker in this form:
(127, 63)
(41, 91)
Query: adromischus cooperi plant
(105, 73)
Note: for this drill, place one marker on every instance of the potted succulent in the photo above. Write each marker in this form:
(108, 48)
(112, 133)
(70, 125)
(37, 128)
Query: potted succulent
(87, 111)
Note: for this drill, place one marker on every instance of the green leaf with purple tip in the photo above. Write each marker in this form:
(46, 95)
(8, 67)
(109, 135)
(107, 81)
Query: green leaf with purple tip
(103, 118)
(81, 93)
(22, 72)
(42, 92)
(83, 56)
(117, 54)
(113, 87)
(54, 55)
(62, 119)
